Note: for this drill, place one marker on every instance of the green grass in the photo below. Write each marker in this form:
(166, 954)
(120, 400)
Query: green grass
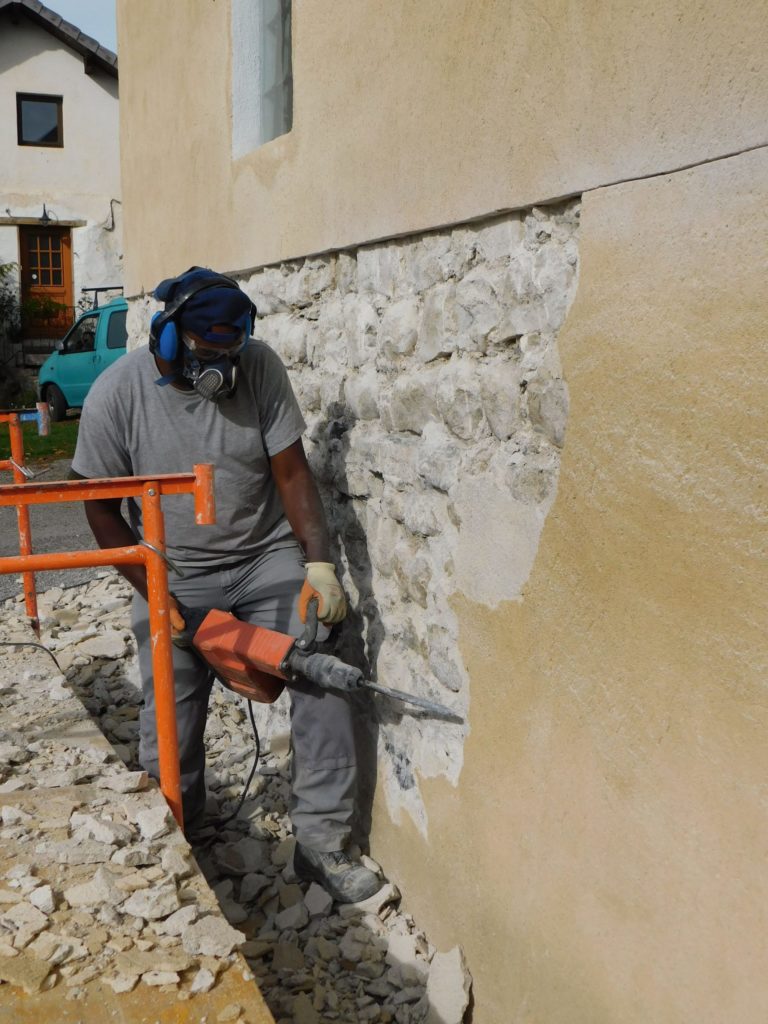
(60, 443)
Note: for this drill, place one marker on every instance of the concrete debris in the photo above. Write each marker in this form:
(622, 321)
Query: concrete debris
(122, 982)
(154, 822)
(25, 971)
(203, 981)
(12, 815)
(153, 904)
(288, 957)
(23, 915)
(43, 899)
(294, 918)
(211, 936)
(86, 826)
(101, 889)
(178, 921)
(448, 988)
(157, 978)
(124, 782)
(109, 893)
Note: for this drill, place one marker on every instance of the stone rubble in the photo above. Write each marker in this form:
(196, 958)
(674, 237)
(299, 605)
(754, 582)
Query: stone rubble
(105, 897)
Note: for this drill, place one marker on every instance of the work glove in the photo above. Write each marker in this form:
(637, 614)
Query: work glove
(177, 619)
(321, 584)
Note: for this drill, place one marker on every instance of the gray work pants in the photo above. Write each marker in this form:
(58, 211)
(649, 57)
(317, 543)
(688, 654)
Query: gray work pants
(263, 592)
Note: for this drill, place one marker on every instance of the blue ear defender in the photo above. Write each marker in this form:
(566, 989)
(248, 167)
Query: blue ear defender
(164, 337)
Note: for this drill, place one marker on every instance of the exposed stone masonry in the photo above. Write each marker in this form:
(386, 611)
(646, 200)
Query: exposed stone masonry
(428, 372)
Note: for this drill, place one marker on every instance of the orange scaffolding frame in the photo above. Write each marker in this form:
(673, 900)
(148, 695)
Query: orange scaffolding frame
(21, 474)
(150, 552)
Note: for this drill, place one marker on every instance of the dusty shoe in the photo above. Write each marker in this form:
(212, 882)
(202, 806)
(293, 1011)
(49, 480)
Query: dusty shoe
(346, 880)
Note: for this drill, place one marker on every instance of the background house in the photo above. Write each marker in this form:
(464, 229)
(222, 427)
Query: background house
(60, 219)
(514, 256)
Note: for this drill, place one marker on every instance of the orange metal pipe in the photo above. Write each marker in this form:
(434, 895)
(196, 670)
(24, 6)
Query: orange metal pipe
(151, 489)
(133, 555)
(25, 527)
(205, 505)
(117, 487)
(162, 654)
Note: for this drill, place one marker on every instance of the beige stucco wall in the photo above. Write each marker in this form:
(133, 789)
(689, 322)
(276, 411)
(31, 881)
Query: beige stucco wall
(603, 855)
(411, 115)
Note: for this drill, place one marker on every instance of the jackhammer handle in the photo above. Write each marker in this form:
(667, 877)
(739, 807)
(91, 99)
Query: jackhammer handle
(308, 637)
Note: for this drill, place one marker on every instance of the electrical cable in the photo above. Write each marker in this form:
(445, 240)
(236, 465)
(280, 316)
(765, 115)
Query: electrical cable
(255, 765)
(28, 643)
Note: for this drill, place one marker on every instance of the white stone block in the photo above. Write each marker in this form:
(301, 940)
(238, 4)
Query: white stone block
(458, 399)
(438, 459)
(438, 328)
(361, 327)
(500, 396)
(399, 328)
(548, 408)
(378, 268)
(361, 393)
(411, 402)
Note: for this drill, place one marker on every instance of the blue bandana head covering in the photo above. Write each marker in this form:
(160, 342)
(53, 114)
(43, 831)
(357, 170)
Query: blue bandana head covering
(217, 305)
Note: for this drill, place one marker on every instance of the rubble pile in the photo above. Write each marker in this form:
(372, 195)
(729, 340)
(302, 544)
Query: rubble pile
(108, 894)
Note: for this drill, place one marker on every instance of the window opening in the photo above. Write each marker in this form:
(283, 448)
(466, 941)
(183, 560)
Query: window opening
(82, 337)
(117, 333)
(262, 73)
(45, 256)
(39, 120)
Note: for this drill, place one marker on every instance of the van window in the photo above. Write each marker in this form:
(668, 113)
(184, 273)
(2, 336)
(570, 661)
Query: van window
(82, 337)
(117, 335)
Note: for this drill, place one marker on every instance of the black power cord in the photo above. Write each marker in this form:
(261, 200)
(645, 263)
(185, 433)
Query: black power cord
(28, 643)
(234, 814)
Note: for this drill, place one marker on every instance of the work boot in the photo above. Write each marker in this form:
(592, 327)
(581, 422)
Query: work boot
(347, 881)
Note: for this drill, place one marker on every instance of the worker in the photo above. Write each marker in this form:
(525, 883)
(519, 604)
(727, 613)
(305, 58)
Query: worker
(205, 391)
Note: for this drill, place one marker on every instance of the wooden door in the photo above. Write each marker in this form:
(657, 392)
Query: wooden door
(46, 281)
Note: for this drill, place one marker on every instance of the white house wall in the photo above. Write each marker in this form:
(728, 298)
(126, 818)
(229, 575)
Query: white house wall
(76, 182)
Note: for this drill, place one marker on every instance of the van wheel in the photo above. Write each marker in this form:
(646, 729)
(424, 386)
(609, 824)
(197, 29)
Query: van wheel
(57, 403)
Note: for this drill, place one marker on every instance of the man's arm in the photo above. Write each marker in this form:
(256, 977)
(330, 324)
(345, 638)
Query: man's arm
(110, 530)
(304, 511)
(301, 501)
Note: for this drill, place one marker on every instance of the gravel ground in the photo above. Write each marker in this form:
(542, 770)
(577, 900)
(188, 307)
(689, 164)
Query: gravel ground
(314, 961)
(61, 527)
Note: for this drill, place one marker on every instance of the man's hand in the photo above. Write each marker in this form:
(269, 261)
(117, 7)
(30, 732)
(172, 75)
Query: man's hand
(177, 619)
(321, 583)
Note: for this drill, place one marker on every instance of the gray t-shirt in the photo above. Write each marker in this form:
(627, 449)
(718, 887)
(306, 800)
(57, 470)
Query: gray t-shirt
(131, 426)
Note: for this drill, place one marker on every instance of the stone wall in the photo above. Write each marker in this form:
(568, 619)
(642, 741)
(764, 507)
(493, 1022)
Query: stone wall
(427, 369)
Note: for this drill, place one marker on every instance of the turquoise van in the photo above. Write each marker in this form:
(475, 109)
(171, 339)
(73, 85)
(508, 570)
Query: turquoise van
(95, 341)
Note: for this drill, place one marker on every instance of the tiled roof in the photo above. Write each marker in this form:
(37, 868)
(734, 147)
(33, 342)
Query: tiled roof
(95, 55)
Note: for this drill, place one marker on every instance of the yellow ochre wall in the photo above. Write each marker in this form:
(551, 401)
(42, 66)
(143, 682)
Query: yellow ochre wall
(603, 856)
(409, 114)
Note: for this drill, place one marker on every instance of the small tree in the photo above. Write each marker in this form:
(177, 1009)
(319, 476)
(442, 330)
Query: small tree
(11, 383)
(10, 309)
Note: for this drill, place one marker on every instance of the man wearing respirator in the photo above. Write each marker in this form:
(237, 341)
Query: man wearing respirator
(205, 391)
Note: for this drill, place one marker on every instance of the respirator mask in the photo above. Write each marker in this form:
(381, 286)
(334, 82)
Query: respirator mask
(211, 370)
